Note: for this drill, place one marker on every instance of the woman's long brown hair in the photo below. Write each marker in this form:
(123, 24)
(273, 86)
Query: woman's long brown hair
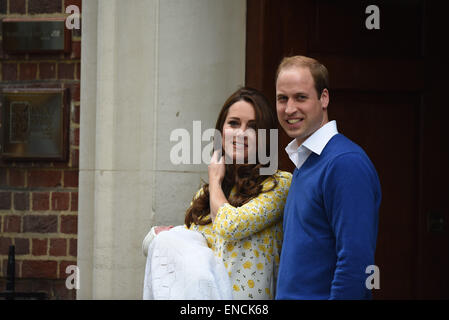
(245, 177)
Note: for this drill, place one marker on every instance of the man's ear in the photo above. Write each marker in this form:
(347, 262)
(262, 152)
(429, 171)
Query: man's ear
(324, 98)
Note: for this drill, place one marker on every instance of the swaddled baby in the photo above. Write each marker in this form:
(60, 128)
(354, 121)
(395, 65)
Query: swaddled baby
(180, 266)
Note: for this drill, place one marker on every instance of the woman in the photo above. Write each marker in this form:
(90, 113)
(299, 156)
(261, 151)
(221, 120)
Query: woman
(239, 211)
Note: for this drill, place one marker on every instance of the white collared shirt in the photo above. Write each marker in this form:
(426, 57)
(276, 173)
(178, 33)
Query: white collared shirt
(315, 143)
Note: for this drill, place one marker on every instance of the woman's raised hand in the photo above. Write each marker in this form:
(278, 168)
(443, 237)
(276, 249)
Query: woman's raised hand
(216, 169)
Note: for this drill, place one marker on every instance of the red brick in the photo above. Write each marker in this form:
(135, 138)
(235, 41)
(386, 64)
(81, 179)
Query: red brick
(74, 202)
(69, 224)
(58, 247)
(72, 2)
(44, 6)
(40, 224)
(17, 6)
(28, 71)
(75, 92)
(78, 71)
(75, 117)
(60, 201)
(75, 136)
(4, 245)
(9, 71)
(21, 201)
(22, 245)
(39, 247)
(74, 155)
(38, 178)
(73, 245)
(17, 177)
(47, 70)
(39, 269)
(71, 179)
(76, 50)
(5, 200)
(62, 269)
(41, 200)
(12, 223)
(66, 71)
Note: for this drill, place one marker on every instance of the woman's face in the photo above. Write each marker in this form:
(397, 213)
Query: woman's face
(239, 134)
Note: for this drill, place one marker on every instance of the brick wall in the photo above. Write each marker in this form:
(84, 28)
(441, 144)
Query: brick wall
(39, 200)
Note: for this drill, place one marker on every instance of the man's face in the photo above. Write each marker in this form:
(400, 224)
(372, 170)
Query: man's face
(300, 111)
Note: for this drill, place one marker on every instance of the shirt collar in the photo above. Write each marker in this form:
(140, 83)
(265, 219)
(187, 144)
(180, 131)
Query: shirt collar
(316, 142)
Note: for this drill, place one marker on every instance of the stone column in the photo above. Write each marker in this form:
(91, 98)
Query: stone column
(148, 67)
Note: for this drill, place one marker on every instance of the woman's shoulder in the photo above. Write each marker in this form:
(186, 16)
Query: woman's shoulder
(283, 175)
(283, 179)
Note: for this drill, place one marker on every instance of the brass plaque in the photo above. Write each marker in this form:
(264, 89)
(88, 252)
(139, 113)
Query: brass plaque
(35, 35)
(34, 124)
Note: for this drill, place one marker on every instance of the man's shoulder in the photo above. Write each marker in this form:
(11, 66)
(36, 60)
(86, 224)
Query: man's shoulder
(342, 152)
(340, 145)
(346, 157)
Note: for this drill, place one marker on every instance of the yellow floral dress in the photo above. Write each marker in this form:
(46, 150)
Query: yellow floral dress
(249, 239)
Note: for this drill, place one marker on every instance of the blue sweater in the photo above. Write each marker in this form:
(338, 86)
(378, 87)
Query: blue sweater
(330, 225)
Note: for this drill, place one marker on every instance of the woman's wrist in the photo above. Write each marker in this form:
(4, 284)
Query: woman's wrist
(215, 183)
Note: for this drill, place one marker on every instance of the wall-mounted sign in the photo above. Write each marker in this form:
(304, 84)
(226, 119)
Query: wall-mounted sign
(34, 124)
(35, 35)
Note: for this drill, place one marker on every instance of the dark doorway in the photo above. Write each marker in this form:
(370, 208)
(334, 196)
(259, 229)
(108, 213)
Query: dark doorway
(388, 95)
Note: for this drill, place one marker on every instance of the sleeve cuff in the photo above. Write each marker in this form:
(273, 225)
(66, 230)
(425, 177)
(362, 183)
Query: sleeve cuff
(220, 210)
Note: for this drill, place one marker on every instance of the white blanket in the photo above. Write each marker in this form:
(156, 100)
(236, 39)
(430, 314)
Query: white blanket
(180, 266)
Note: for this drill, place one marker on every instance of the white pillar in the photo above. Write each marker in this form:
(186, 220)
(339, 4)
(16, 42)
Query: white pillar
(148, 67)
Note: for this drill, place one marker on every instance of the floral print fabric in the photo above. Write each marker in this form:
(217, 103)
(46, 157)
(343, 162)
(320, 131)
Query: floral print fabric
(249, 239)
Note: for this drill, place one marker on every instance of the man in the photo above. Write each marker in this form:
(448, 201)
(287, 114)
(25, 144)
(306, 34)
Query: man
(331, 213)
